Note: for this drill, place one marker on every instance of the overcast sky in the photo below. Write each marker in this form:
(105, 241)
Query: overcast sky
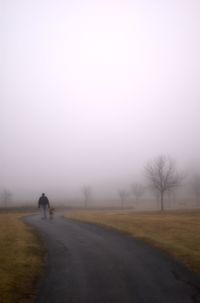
(91, 90)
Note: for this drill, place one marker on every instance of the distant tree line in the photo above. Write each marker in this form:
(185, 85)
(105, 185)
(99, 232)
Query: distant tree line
(163, 179)
(5, 198)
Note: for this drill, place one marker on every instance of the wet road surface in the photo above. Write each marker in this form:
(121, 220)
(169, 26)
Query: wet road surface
(90, 264)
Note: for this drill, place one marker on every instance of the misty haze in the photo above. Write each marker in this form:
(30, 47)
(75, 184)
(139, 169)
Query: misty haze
(92, 91)
(100, 151)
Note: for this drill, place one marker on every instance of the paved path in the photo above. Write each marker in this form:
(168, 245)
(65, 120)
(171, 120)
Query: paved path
(90, 264)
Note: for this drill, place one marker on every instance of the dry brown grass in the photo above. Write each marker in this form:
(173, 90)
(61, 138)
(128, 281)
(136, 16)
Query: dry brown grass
(178, 233)
(21, 259)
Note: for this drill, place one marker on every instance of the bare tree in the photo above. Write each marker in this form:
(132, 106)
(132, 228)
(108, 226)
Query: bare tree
(163, 176)
(6, 197)
(123, 194)
(138, 191)
(86, 190)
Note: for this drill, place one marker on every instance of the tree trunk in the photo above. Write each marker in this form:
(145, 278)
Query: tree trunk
(162, 201)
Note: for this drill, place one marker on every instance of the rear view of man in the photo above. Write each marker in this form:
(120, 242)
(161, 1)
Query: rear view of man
(44, 204)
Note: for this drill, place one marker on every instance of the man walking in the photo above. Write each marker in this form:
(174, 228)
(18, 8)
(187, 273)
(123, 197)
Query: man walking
(44, 204)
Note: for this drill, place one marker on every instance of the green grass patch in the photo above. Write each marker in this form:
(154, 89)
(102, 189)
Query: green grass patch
(21, 259)
(177, 233)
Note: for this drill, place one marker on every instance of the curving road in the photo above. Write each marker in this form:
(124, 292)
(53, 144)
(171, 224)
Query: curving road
(90, 264)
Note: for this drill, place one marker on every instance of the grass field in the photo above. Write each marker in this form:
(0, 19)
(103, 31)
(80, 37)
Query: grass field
(177, 233)
(21, 259)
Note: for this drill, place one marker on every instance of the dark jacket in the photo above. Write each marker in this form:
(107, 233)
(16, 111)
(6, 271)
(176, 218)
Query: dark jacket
(43, 202)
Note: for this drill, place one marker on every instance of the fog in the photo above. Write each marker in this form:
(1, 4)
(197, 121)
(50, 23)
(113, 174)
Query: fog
(92, 90)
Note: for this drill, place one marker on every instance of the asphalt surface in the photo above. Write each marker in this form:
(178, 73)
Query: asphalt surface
(91, 264)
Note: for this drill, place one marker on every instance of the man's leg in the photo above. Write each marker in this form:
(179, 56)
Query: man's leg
(45, 212)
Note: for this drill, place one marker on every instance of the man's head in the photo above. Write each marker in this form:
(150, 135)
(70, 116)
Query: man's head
(43, 194)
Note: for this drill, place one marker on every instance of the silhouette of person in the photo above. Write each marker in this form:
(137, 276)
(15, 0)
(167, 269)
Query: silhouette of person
(43, 202)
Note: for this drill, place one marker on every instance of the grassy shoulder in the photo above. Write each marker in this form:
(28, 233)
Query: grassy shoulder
(21, 259)
(177, 233)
